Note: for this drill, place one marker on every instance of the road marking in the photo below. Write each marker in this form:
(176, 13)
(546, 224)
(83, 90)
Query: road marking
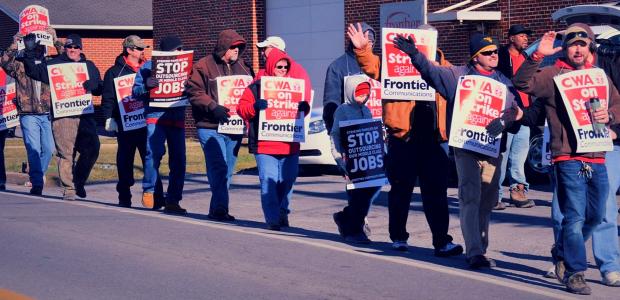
(292, 237)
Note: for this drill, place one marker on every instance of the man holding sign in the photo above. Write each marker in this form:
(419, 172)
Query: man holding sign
(215, 86)
(74, 80)
(479, 94)
(580, 104)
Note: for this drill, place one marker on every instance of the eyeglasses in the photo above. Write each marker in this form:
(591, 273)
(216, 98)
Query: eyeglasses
(282, 67)
(233, 47)
(73, 47)
(489, 53)
(572, 35)
(138, 48)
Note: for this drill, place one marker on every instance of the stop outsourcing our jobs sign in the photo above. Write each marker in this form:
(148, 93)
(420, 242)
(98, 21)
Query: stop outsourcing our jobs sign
(69, 98)
(364, 152)
(172, 69)
(400, 80)
(281, 120)
(130, 108)
(229, 91)
(479, 100)
(577, 88)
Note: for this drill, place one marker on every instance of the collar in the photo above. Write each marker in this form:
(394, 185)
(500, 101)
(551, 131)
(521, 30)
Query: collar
(562, 64)
(134, 67)
(483, 71)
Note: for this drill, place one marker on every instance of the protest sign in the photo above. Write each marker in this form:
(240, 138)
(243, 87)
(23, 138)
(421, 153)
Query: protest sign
(479, 100)
(69, 98)
(131, 109)
(281, 120)
(576, 89)
(229, 91)
(9, 117)
(364, 151)
(35, 19)
(374, 101)
(172, 69)
(400, 80)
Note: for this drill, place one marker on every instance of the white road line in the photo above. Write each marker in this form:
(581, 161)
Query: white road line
(291, 237)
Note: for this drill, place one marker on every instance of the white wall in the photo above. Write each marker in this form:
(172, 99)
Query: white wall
(314, 34)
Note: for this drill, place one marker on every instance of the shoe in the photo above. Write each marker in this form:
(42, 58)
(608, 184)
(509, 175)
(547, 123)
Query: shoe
(274, 227)
(124, 203)
(366, 227)
(577, 284)
(560, 271)
(36, 190)
(400, 245)
(80, 191)
(284, 220)
(359, 238)
(338, 220)
(221, 217)
(160, 202)
(499, 206)
(517, 193)
(612, 279)
(480, 261)
(550, 273)
(68, 195)
(450, 249)
(2, 187)
(490, 263)
(524, 204)
(148, 200)
(174, 209)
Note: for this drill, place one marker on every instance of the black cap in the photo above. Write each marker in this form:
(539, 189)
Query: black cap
(170, 43)
(73, 40)
(518, 28)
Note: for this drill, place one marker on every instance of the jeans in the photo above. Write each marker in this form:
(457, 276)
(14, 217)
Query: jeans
(277, 174)
(358, 205)
(157, 135)
(406, 162)
(128, 143)
(39, 143)
(517, 147)
(3, 135)
(221, 152)
(581, 198)
(605, 235)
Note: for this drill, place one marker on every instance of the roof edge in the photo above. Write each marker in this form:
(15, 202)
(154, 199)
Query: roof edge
(9, 13)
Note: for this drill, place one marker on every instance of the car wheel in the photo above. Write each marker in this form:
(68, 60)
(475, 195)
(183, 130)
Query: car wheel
(535, 171)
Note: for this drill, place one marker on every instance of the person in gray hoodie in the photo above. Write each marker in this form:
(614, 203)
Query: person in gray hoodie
(350, 220)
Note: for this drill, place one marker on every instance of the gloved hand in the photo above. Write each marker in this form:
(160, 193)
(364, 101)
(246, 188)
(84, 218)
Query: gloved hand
(260, 104)
(304, 107)
(90, 85)
(220, 113)
(151, 83)
(30, 42)
(110, 125)
(496, 127)
(406, 45)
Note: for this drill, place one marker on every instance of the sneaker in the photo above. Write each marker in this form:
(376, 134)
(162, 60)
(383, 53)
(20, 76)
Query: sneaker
(159, 202)
(499, 206)
(400, 245)
(148, 200)
(338, 220)
(550, 273)
(359, 238)
(450, 249)
(366, 227)
(480, 261)
(36, 190)
(274, 227)
(577, 284)
(80, 191)
(612, 279)
(221, 217)
(560, 271)
(68, 195)
(174, 209)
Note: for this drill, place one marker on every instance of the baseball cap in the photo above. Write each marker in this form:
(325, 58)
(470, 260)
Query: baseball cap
(134, 41)
(577, 32)
(272, 41)
(518, 28)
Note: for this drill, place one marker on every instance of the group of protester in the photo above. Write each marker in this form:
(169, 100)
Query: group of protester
(584, 203)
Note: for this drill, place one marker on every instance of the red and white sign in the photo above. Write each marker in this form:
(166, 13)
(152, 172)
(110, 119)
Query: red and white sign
(9, 117)
(69, 98)
(281, 120)
(229, 91)
(576, 89)
(35, 19)
(131, 109)
(172, 69)
(374, 101)
(479, 100)
(400, 80)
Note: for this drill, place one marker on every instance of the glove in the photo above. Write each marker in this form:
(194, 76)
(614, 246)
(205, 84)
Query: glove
(30, 42)
(90, 85)
(151, 83)
(304, 107)
(406, 45)
(220, 113)
(496, 127)
(260, 104)
(110, 125)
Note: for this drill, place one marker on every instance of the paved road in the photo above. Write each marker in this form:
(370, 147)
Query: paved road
(91, 249)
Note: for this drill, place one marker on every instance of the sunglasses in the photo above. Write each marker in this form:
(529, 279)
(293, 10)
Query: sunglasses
(573, 35)
(138, 48)
(282, 67)
(489, 53)
(233, 47)
(73, 47)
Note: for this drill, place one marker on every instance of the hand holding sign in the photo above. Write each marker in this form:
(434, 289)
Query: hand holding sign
(260, 104)
(601, 115)
(151, 83)
(358, 37)
(304, 107)
(220, 113)
(406, 45)
(546, 44)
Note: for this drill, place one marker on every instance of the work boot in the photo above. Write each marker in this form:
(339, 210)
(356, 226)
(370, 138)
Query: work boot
(221, 216)
(577, 284)
(148, 200)
(519, 198)
(560, 270)
(68, 195)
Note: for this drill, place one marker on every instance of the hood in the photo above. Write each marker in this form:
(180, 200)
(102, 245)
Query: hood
(274, 57)
(349, 89)
(365, 27)
(226, 39)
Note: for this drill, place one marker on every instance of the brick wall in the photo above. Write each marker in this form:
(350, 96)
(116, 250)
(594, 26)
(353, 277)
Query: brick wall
(8, 27)
(199, 22)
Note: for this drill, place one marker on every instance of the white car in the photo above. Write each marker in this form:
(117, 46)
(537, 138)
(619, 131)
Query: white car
(316, 150)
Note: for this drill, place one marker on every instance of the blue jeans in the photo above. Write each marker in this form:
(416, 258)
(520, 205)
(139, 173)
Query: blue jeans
(277, 174)
(581, 200)
(221, 152)
(39, 142)
(517, 147)
(157, 135)
(605, 236)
